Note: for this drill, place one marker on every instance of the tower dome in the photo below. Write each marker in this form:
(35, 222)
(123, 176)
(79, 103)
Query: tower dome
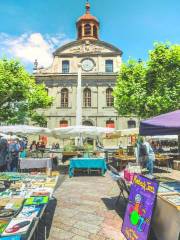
(87, 25)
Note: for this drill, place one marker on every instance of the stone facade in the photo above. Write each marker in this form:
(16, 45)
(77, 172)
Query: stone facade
(99, 80)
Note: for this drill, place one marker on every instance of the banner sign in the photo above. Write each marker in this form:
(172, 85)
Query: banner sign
(137, 220)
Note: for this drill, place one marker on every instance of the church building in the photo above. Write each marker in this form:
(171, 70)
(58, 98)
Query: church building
(101, 62)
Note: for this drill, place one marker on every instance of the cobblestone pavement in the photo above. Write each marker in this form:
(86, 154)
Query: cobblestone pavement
(85, 210)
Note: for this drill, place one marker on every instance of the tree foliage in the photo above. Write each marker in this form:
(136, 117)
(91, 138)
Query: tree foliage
(20, 96)
(150, 88)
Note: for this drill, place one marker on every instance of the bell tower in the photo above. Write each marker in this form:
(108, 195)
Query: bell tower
(87, 25)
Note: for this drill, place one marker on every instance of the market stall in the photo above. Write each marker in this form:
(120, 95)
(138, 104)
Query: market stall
(167, 206)
(87, 163)
(23, 201)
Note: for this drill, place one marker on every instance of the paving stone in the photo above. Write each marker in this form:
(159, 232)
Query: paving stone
(79, 232)
(83, 212)
(61, 234)
(89, 217)
(87, 227)
(79, 238)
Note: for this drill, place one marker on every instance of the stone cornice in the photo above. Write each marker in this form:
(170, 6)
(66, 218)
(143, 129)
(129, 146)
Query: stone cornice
(70, 82)
(74, 75)
(114, 50)
(68, 55)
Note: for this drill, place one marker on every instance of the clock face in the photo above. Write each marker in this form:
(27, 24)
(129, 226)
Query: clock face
(87, 65)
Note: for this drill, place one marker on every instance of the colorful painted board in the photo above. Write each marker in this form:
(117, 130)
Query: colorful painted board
(140, 207)
(31, 211)
(15, 237)
(17, 226)
(36, 200)
(3, 225)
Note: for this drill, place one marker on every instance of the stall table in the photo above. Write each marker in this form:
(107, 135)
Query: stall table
(123, 160)
(87, 163)
(30, 163)
(165, 160)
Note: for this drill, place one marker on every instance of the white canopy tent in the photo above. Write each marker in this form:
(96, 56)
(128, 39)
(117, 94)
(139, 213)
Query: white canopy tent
(9, 137)
(128, 132)
(123, 133)
(165, 137)
(24, 130)
(80, 131)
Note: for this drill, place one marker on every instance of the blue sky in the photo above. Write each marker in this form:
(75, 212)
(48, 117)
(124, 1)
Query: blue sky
(35, 28)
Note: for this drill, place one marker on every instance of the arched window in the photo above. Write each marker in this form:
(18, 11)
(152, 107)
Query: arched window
(110, 124)
(95, 31)
(131, 124)
(65, 66)
(87, 123)
(109, 97)
(64, 97)
(87, 29)
(63, 123)
(87, 97)
(109, 65)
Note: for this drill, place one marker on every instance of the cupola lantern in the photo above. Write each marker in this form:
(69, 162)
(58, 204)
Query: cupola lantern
(87, 25)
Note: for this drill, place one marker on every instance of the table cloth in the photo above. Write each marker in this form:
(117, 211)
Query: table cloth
(29, 163)
(89, 163)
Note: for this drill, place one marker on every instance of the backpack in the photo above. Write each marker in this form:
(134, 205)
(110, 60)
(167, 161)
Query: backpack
(142, 150)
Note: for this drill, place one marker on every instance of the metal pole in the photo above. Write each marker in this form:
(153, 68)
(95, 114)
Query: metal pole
(78, 141)
(79, 98)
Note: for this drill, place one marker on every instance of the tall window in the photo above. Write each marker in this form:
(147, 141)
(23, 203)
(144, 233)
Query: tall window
(131, 124)
(87, 97)
(109, 97)
(110, 124)
(87, 29)
(65, 66)
(64, 97)
(63, 123)
(109, 65)
(95, 31)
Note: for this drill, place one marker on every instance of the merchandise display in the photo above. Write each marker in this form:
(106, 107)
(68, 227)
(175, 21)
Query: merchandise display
(3, 225)
(17, 226)
(172, 198)
(29, 212)
(23, 198)
(131, 170)
(36, 200)
(172, 186)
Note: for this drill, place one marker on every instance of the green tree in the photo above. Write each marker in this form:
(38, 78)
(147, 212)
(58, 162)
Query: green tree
(151, 88)
(20, 96)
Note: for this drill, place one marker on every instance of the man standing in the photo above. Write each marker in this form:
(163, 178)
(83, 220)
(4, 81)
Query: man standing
(150, 156)
(3, 154)
(14, 148)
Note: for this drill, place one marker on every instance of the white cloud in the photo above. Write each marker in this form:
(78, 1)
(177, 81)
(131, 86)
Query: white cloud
(30, 46)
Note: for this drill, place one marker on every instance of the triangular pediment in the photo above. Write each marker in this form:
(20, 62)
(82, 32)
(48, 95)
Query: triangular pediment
(87, 46)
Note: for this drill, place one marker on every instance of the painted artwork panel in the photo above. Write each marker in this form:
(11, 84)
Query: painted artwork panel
(137, 220)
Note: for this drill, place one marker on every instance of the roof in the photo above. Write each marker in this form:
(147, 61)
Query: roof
(165, 124)
(87, 15)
